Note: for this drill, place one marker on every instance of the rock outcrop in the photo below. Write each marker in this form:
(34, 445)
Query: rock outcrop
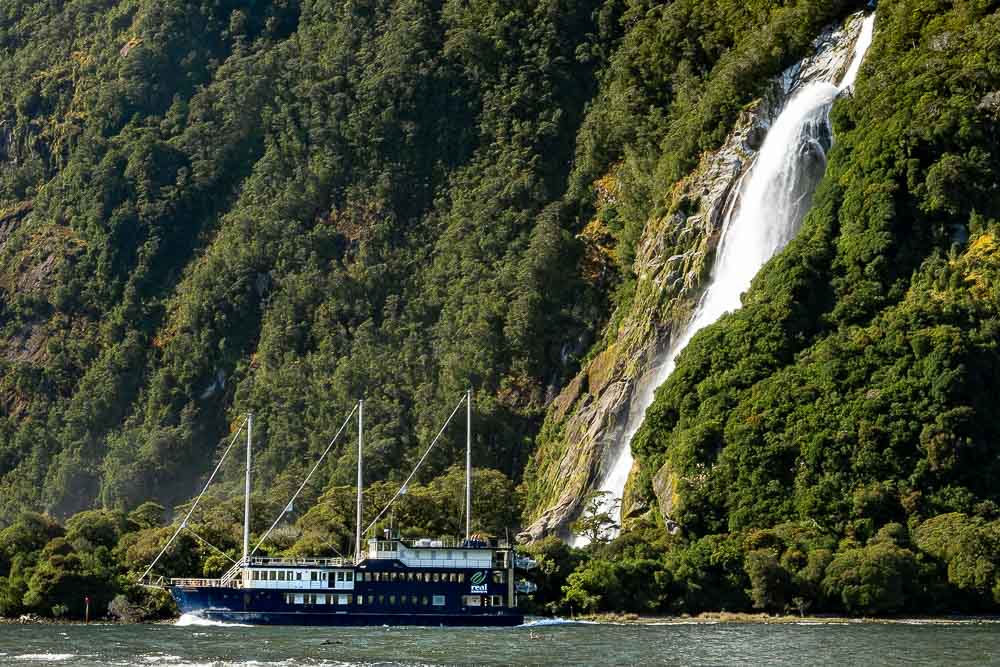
(586, 424)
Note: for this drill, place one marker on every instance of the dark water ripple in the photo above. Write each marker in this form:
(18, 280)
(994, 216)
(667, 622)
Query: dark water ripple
(543, 643)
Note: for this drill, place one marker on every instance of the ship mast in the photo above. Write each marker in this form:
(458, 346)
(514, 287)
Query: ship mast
(468, 465)
(357, 538)
(246, 506)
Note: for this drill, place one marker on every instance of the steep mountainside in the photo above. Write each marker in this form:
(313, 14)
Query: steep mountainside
(209, 208)
(857, 386)
(214, 207)
(596, 414)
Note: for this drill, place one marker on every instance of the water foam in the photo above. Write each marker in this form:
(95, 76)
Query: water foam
(47, 657)
(189, 620)
(541, 622)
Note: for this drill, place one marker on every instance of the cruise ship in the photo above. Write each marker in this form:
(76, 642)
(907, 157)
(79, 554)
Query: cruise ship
(388, 581)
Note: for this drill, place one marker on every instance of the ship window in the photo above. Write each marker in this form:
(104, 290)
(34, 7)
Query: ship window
(343, 599)
(497, 600)
(461, 577)
(340, 576)
(312, 576)
(470, 601)
(298, 576)
(281, 576)
(498, 577)
(288, 598)
(392, 599)
(413, 600)
(361, 599)
(409, 576)
(348, 576)
(423, 600)
(437, 577)
(367, 576)
(381, 599)
(395, 576)
(453, 577)
(371, 599)
(298, 599)
(438, 601)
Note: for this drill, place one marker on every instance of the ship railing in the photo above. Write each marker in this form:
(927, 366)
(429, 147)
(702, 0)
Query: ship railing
(301, 562)
(451, 543)
(200, 583)
(232, 573)
(153, 582)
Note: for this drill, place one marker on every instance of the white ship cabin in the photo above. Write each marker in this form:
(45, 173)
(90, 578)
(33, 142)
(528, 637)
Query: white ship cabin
(340, 574)
(299, 574)
(437, 554)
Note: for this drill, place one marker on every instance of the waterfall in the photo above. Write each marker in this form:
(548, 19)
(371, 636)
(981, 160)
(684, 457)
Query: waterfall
(773, 198)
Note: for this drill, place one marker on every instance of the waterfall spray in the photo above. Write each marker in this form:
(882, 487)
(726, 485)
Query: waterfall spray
(770, 207)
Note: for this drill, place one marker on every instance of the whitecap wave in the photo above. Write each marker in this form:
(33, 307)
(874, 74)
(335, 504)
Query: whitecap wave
(192, 620)
(46, 657)
(161, 659)
(555, 621)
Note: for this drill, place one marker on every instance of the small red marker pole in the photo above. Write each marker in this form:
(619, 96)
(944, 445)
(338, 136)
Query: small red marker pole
(86, 614)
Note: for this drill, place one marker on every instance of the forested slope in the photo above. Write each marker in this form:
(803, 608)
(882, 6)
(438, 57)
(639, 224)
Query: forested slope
(215, 207)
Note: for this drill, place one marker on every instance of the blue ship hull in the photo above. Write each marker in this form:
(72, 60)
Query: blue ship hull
(268, 607)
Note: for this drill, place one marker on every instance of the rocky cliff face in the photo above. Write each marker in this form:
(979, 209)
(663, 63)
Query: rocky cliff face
(586, 424)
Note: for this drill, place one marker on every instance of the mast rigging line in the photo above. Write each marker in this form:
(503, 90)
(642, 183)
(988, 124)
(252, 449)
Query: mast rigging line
(306, 480)
(197, 500)
(402, 489)
(210, 545)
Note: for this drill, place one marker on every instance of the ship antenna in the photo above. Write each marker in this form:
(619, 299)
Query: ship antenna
(468, 465)
(246, 506)
(357, 538)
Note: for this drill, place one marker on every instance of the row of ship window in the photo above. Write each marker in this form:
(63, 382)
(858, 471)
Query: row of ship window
(427, 577)
(294, 575)
(392, 600)
(348, 576)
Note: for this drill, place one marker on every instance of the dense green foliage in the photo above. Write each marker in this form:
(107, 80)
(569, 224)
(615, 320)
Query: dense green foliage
(856, 389)
(211, 208)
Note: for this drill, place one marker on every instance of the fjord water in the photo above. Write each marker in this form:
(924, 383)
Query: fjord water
(773, 199)
(541, 643)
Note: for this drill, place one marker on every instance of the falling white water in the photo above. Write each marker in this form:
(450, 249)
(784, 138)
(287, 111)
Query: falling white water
(772, 202)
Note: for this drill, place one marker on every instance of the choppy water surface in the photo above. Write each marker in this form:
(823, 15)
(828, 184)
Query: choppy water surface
(540, 643)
